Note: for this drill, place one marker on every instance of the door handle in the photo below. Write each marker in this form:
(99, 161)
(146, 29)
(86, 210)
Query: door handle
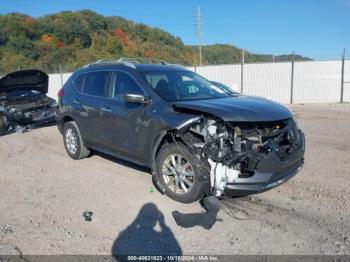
(76, 101)
(106, 109)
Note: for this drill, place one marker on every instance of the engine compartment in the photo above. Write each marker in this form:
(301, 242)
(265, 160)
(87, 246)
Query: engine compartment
(21, 109)
(233, 150)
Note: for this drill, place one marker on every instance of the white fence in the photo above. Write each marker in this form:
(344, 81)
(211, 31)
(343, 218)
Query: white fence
(55, 83)
(313, 81)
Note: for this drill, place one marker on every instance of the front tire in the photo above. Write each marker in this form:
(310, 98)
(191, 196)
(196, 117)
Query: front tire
(178, 174)
(73, 141)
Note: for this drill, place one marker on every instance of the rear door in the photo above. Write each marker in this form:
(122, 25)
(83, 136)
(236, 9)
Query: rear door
(92, 88)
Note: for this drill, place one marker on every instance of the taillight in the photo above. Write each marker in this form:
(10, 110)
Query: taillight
(60, 93)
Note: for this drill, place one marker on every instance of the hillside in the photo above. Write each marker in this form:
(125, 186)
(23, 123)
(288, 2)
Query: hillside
(225, 54)
(77, 38)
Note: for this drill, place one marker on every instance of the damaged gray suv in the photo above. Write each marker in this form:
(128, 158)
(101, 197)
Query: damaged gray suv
(198, 139)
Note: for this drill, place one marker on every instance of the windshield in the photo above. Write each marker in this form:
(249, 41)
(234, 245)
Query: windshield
(183, 85)
(225, 87)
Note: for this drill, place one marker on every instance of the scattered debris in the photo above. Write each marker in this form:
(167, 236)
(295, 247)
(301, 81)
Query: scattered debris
(88, 216)
(7, 229)
(205, 220)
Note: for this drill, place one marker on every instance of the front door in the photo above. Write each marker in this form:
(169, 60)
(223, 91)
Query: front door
(126, 125)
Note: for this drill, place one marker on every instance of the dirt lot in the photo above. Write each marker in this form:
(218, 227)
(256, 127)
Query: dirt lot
(44, 194)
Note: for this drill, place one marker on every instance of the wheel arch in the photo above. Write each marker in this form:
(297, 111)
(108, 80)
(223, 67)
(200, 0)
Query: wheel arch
(63, 120)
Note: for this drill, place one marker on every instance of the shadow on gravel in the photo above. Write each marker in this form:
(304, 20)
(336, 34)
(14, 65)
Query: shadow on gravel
(204, 219)
(146, 235)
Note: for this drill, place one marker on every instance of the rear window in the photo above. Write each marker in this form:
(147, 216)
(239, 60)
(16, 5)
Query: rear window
(95, 83)
(79, 82)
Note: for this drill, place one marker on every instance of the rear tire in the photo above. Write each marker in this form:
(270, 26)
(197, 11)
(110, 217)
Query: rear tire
(176, 171)
(3, 128)
(73, 141)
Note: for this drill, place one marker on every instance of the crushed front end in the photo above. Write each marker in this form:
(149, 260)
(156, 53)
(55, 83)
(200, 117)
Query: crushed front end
(23, 101)
(246, 157)
(23, 115)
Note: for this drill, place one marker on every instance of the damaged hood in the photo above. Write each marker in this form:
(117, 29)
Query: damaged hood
(25, 80)
(238, 108)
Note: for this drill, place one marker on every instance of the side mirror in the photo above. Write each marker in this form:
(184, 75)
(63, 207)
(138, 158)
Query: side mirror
(135, 99)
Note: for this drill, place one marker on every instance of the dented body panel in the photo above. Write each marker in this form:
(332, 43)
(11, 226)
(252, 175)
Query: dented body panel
(239, 108)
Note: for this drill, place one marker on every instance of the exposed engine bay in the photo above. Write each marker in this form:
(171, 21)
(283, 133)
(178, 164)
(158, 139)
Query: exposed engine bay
(233, 150)
(23, 101)
(20, 114)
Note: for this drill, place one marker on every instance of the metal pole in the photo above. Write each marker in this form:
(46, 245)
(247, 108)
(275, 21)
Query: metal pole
(195, 63)
(60, 66)
(342, 78)
(242, 71)
(292, 81)
(199, 34)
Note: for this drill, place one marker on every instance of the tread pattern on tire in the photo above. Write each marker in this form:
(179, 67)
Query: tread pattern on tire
(83, 151)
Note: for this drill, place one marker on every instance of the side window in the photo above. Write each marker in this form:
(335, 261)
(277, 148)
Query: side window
(79, 82)
(96, 83)
(154, 79)
(122, 84)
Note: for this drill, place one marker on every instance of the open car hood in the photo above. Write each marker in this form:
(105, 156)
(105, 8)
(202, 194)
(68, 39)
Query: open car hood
(238, 108)
(25, 80)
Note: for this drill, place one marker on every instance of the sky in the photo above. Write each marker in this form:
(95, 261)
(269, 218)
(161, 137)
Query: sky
(315, 28)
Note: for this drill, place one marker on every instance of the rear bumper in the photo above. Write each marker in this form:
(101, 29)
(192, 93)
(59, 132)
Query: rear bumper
(271, 172)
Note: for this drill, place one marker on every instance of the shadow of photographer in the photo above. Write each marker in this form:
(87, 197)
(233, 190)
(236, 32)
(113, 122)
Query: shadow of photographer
(146, 235)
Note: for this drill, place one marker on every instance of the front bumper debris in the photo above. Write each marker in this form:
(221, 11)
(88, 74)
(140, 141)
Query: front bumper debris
(270, 172)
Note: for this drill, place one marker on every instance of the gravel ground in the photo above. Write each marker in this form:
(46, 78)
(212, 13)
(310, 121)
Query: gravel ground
(44, 194)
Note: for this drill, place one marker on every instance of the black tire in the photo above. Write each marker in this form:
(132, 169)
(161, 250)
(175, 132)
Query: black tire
(3, 128)
(196, 191)
(81, 150)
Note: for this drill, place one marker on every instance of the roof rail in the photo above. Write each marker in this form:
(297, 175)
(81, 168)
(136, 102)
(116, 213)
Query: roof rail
(130, 62)
(142, 60)
(178, 65)
(104, 61)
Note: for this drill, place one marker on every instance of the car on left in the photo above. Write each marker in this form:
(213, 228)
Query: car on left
(23, 101)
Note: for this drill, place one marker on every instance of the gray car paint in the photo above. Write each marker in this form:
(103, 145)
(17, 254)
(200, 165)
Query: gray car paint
(144, 123)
